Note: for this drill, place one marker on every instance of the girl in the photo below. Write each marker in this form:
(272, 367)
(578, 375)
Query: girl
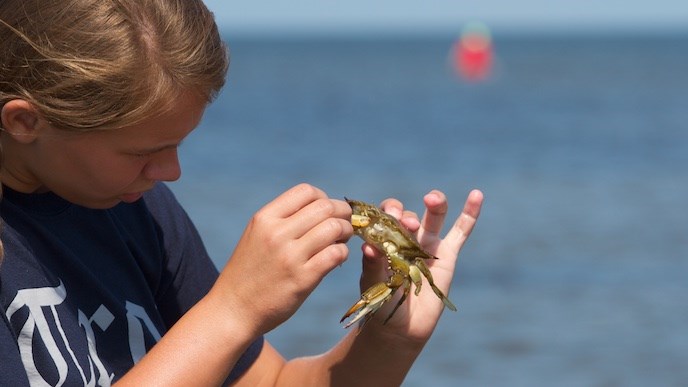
(104, 279)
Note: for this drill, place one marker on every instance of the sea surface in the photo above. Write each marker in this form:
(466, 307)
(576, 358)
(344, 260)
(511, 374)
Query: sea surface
(577, 272)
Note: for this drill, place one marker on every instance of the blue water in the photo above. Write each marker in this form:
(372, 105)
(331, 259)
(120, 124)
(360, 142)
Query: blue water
(577, 273)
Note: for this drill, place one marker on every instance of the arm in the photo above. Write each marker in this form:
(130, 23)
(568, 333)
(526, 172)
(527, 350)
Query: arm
(287, 248)
(193, 352)
(383, 354)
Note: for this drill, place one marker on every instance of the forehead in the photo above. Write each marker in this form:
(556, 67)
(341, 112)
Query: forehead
(164, 128)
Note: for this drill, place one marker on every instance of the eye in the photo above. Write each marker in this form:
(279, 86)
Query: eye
(147, 153)
(141, 155)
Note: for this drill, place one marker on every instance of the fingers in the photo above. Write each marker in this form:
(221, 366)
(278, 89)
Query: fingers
(300, 209)
(318, 242)
(293, 200)
(395, 208)
(392, 207)
(433, 219)
(430, 227)
(374, 267)
(326, 260)
(464, 224)
(318, 211)
(318, 227)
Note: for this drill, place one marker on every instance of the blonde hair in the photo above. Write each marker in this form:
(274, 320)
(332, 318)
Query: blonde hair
(100, 64)
(89, 65)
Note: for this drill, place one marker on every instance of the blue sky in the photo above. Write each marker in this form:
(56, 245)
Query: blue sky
(365, 16)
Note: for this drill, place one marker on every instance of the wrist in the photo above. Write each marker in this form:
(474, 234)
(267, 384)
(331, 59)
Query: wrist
(231, 321)
(351, 359)
(391, 338)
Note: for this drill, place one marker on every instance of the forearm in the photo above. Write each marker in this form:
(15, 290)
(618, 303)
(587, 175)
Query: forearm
(197, 350)
(371, 357)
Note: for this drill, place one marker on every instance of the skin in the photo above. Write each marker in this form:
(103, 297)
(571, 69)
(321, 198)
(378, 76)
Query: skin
(40, 158)
(298, 238)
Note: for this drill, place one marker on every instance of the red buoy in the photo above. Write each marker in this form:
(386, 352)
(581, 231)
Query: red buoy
(472, 53)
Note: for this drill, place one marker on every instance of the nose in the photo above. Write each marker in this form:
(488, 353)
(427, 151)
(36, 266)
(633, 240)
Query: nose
(164, 166)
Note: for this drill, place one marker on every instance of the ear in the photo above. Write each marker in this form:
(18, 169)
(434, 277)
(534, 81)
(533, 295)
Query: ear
(20, 120)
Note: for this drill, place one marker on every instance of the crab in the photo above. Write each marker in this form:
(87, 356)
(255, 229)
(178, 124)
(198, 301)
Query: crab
(405, 257)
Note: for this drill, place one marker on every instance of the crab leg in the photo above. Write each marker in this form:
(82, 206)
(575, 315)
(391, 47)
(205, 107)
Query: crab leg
(420, 264)
(371, 300)
(407, 290)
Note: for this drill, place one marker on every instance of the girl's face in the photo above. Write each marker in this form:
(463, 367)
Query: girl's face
(101, 169)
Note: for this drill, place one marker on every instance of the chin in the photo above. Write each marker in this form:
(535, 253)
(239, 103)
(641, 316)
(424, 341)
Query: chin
(98, 203)
(102, 205)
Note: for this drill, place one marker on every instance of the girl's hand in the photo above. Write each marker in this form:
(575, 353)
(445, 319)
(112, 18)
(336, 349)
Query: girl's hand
(417, 317)
(285, 251)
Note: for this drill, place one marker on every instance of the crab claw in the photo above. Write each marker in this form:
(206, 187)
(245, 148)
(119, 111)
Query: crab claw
(359, 220)
(371, 300)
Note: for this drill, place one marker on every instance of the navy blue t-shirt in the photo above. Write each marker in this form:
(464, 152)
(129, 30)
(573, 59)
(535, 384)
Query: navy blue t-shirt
(85, 293)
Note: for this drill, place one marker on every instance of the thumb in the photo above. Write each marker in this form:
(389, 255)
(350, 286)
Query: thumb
(374, 267)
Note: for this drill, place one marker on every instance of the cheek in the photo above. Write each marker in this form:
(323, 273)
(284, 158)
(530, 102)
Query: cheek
(115, 175)
(128, 173)
(85, 168)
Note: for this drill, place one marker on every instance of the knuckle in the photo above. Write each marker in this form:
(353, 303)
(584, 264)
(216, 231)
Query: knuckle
(342, 251)
(273, 241)
(391, 203)
(261, 217)
(410, 214)
(337, 253)
(308, 190)
(334, 228)
(326, 207)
